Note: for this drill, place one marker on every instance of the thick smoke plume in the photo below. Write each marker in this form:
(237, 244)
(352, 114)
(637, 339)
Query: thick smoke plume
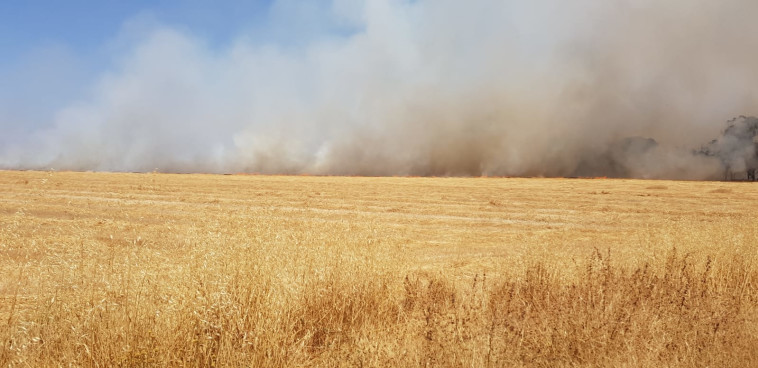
(737, 148)
(425, 87)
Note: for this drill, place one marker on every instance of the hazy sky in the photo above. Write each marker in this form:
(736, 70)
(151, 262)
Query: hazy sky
(52, 51)
(374, 87)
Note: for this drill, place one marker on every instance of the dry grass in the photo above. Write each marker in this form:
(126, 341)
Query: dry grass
(200, 270)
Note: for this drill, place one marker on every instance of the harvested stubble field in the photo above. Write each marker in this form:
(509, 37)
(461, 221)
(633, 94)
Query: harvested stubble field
(200, 270)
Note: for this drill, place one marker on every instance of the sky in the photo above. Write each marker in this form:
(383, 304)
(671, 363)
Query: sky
(51, 51)
(85, 25)
(376, 87)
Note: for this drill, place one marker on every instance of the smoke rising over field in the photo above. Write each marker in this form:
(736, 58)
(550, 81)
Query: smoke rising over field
(547, 88)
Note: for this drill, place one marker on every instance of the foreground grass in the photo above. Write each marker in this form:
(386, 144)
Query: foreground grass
(238, 312)
(221, 283)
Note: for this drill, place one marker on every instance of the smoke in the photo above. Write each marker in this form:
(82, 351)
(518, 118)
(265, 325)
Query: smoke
(444, 87)
(737, 147)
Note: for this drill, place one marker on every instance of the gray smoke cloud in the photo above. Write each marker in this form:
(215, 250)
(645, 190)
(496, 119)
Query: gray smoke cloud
(443, 87)
(736, 148)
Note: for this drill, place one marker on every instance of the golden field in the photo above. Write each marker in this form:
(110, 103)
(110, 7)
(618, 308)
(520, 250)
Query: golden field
(100, 269)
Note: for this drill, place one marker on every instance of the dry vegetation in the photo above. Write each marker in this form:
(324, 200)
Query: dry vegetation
(196, 270)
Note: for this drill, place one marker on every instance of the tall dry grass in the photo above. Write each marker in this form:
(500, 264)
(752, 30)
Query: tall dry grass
(253, 308)
(157, 278)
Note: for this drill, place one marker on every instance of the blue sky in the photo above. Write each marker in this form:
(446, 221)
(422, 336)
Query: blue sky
(85, 25)
(53, 52)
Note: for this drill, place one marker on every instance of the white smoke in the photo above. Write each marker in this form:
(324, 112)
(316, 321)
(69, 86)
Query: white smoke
(420, 87)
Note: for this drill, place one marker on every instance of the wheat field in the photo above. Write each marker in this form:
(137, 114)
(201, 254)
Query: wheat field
(107, 269)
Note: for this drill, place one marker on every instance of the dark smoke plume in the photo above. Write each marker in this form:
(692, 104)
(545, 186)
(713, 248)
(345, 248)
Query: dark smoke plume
(736, 148)
(425, 87)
